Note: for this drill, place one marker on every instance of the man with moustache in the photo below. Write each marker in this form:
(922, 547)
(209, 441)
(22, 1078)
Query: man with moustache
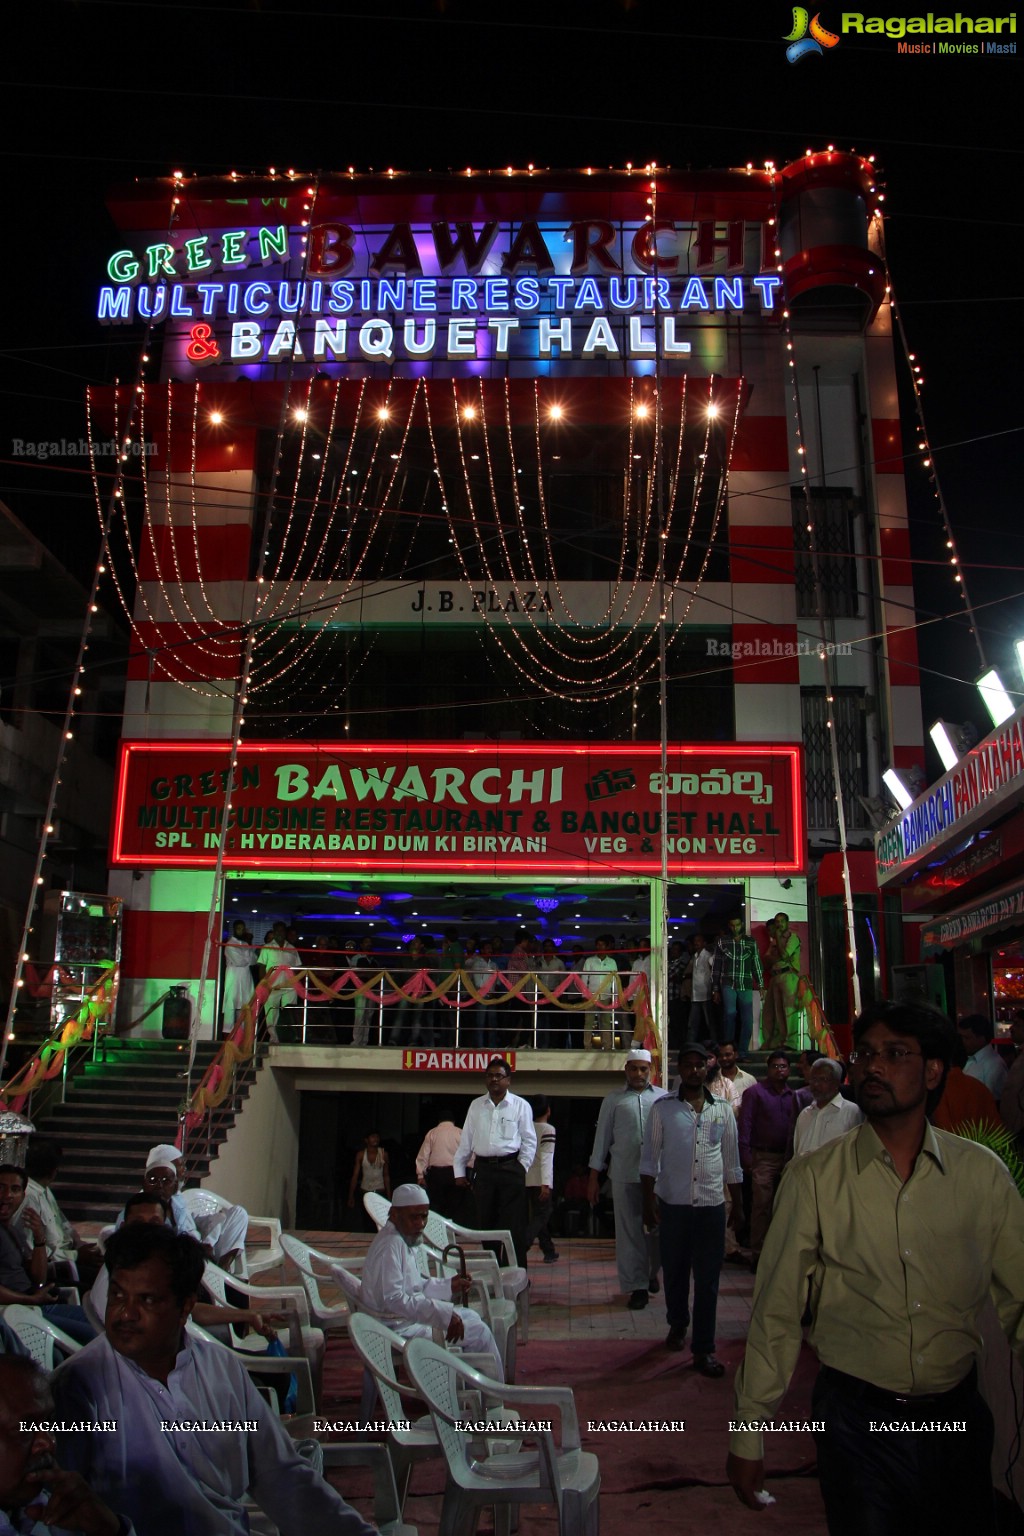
(498, 1134)
(619, 1142)
(690, 1153)
(903, 1232)
(411, 1305)
(194, 1435)
(35, 1494)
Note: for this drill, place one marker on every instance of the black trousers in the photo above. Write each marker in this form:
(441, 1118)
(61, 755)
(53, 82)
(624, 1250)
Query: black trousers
(692, 1243)
(448, 1198)
(500, 1193)
(540, 1213)
(880, 1479)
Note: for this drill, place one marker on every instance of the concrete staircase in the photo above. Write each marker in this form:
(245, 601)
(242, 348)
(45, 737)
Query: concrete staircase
(116, 1108)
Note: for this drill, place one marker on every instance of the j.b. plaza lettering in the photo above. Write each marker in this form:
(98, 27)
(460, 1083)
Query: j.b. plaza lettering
(520, 806)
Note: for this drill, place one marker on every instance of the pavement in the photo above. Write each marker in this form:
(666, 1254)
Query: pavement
(654, 1470)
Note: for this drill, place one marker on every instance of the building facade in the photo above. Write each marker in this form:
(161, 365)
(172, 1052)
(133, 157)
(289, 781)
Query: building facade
(512, 541)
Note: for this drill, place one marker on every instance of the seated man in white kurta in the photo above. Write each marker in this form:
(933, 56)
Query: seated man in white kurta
(407, 1302)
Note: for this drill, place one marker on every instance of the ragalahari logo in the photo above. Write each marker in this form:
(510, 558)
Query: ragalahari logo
(800, 43)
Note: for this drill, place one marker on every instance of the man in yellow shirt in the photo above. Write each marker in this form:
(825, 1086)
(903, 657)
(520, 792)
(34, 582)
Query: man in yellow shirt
(903, 1232)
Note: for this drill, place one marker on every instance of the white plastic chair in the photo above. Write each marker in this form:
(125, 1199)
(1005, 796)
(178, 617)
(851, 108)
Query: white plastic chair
(489, 1299)
(298, 1424)
(267, 1297)
(303, 1339)
(269, 1257)
(515, 1282)
(208, 1211)
(377, 1346)
(314, 1270)
(377, 1208)
(40, 1337)
(561, 1474)
(387, 1508)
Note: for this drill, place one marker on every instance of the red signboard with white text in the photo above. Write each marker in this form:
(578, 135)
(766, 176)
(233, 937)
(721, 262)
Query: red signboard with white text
(584, 809)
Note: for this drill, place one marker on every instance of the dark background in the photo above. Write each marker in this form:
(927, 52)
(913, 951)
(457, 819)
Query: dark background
(102, 91)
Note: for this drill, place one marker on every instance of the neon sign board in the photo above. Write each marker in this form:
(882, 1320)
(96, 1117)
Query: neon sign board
(576, 295)
(577, 809)
(978, 790)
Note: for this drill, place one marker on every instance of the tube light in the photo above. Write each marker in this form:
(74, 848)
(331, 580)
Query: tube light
(940, 735)
(896, 787)
(995, 697)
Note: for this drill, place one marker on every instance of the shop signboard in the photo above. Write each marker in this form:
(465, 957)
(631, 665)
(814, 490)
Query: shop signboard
(476, 1062)
(980, 789)
(386, 276)
(582, 809)
(1002, 909)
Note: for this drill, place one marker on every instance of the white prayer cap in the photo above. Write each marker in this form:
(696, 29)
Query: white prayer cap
(637, 1054)
(409, 1194)
(164, 1156)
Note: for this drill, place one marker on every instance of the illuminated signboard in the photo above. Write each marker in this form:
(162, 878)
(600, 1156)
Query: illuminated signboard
(1002, 909)
(454, 1061)
(984, 785)
(580, 809)
(429, 295)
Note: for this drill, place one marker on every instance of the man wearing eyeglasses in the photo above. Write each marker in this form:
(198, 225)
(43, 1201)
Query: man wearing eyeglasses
(903, 1232)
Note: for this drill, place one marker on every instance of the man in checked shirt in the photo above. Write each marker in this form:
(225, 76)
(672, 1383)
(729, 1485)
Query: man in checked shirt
(735, 967)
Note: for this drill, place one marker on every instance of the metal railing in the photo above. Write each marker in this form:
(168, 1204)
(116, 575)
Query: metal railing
(61, 1053)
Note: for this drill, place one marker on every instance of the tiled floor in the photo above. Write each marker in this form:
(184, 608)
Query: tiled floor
(579, 1296)
(667, 1481)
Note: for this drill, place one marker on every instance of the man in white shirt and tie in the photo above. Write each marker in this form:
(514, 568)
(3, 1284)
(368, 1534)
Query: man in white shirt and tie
(828, 1116)
(500, 1135)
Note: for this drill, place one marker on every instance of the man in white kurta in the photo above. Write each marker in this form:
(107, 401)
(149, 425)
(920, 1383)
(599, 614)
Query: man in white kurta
(619, 1140)
(828, 1116)
(238, 983)
(193, 1435)
(405, 1300)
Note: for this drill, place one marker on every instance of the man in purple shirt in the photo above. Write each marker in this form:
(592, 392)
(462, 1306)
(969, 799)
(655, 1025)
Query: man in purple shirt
(767, 1117)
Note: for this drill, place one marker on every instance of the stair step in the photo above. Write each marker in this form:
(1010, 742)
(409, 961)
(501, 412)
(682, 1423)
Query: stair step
(78, 1173)
(142, 1115)
(116, 1109)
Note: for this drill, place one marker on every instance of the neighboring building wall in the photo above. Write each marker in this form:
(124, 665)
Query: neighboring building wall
(258, 1165)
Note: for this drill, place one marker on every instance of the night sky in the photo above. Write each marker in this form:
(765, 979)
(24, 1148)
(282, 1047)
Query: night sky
(103, 91)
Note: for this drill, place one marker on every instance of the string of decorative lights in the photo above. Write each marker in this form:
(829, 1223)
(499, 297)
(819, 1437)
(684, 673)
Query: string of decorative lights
(824, 649)
(538, 662)
(75, 690)
(929, 464)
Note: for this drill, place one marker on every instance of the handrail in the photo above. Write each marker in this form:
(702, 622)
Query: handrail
(84, 1028)
(219, 1078)
(818, 1027)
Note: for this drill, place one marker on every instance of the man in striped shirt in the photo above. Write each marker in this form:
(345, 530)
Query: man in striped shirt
(690, 1154)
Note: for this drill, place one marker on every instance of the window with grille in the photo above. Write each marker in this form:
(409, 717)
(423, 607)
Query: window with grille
(848, 714)
(832, 511)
